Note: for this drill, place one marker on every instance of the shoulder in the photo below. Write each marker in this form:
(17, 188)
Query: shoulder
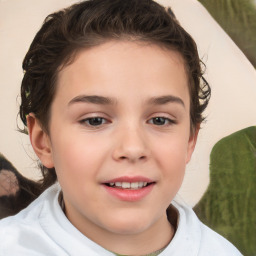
(212, 243)
(203, 241)
(26, 227)
(35, 210)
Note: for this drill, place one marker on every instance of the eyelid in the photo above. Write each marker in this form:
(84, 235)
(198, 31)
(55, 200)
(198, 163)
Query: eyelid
(86, 123)
(83, 120)
(164, 115)
(93, 114)
(171, 120)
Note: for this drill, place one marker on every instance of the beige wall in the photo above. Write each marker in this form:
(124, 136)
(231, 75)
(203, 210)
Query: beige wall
(232, 77)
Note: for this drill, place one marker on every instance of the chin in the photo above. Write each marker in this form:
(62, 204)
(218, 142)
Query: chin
(129, 224)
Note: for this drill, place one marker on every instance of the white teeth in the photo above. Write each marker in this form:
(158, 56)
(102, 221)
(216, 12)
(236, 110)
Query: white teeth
(126, 185)
(135, 185)
(141, 184)
(118, 184)
(129, 185)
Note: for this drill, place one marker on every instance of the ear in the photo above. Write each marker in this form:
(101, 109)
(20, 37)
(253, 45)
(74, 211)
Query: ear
(192, 142)
(40, 141)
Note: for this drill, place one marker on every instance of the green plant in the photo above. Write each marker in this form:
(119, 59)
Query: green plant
(229, 204)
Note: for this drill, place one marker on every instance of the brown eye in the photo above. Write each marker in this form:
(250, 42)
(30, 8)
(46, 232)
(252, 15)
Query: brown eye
(161, 121)
(94, 121)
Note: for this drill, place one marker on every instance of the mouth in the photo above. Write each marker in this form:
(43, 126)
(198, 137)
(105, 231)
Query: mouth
(129, 189)
(129, 185)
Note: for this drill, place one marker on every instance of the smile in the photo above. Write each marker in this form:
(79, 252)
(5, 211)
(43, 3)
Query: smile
(128, 185)
(129, 189)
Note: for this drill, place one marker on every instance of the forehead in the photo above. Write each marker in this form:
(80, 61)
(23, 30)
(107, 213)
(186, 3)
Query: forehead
(142, 67)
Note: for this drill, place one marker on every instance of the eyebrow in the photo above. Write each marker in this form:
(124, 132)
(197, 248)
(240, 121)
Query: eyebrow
(94, 99)
(165, 100)
(101, 100)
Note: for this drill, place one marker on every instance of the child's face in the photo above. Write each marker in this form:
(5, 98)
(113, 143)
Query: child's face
(120, 116)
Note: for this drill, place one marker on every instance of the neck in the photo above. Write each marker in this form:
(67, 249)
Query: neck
(144, 243)
(153, 239)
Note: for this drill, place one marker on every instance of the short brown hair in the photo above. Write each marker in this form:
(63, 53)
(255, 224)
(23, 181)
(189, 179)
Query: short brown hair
(91, 23)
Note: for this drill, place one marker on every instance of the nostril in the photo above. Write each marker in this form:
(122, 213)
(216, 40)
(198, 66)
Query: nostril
(132, 158)
(130, 152)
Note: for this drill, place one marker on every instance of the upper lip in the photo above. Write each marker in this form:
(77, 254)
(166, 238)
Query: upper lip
(129, 179)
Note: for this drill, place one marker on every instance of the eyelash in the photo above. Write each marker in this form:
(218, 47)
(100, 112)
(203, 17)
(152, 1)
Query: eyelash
(164, 121)
(88, 121)
(167, 121)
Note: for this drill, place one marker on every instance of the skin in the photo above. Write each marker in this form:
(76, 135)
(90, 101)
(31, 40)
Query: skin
(141, 82)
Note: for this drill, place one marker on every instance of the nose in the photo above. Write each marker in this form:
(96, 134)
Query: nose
(131, 145)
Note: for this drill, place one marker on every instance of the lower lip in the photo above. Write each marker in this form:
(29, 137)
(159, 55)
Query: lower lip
(130, 195)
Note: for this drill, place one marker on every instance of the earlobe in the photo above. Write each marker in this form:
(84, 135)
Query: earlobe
(192, 143)
(40, 141)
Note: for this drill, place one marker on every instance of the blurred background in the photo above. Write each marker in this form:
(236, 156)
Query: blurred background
(238, 19)
(229, 204)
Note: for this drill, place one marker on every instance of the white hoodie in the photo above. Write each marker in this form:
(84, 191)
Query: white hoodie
(43, 229)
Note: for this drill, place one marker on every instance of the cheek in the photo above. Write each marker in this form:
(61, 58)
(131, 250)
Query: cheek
(171, 160)
(77, 155)
(172, 154)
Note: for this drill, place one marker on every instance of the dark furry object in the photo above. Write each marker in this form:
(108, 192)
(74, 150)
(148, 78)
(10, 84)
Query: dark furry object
(16, 191)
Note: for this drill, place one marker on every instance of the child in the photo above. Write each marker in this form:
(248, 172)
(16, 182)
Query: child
(112, 97)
